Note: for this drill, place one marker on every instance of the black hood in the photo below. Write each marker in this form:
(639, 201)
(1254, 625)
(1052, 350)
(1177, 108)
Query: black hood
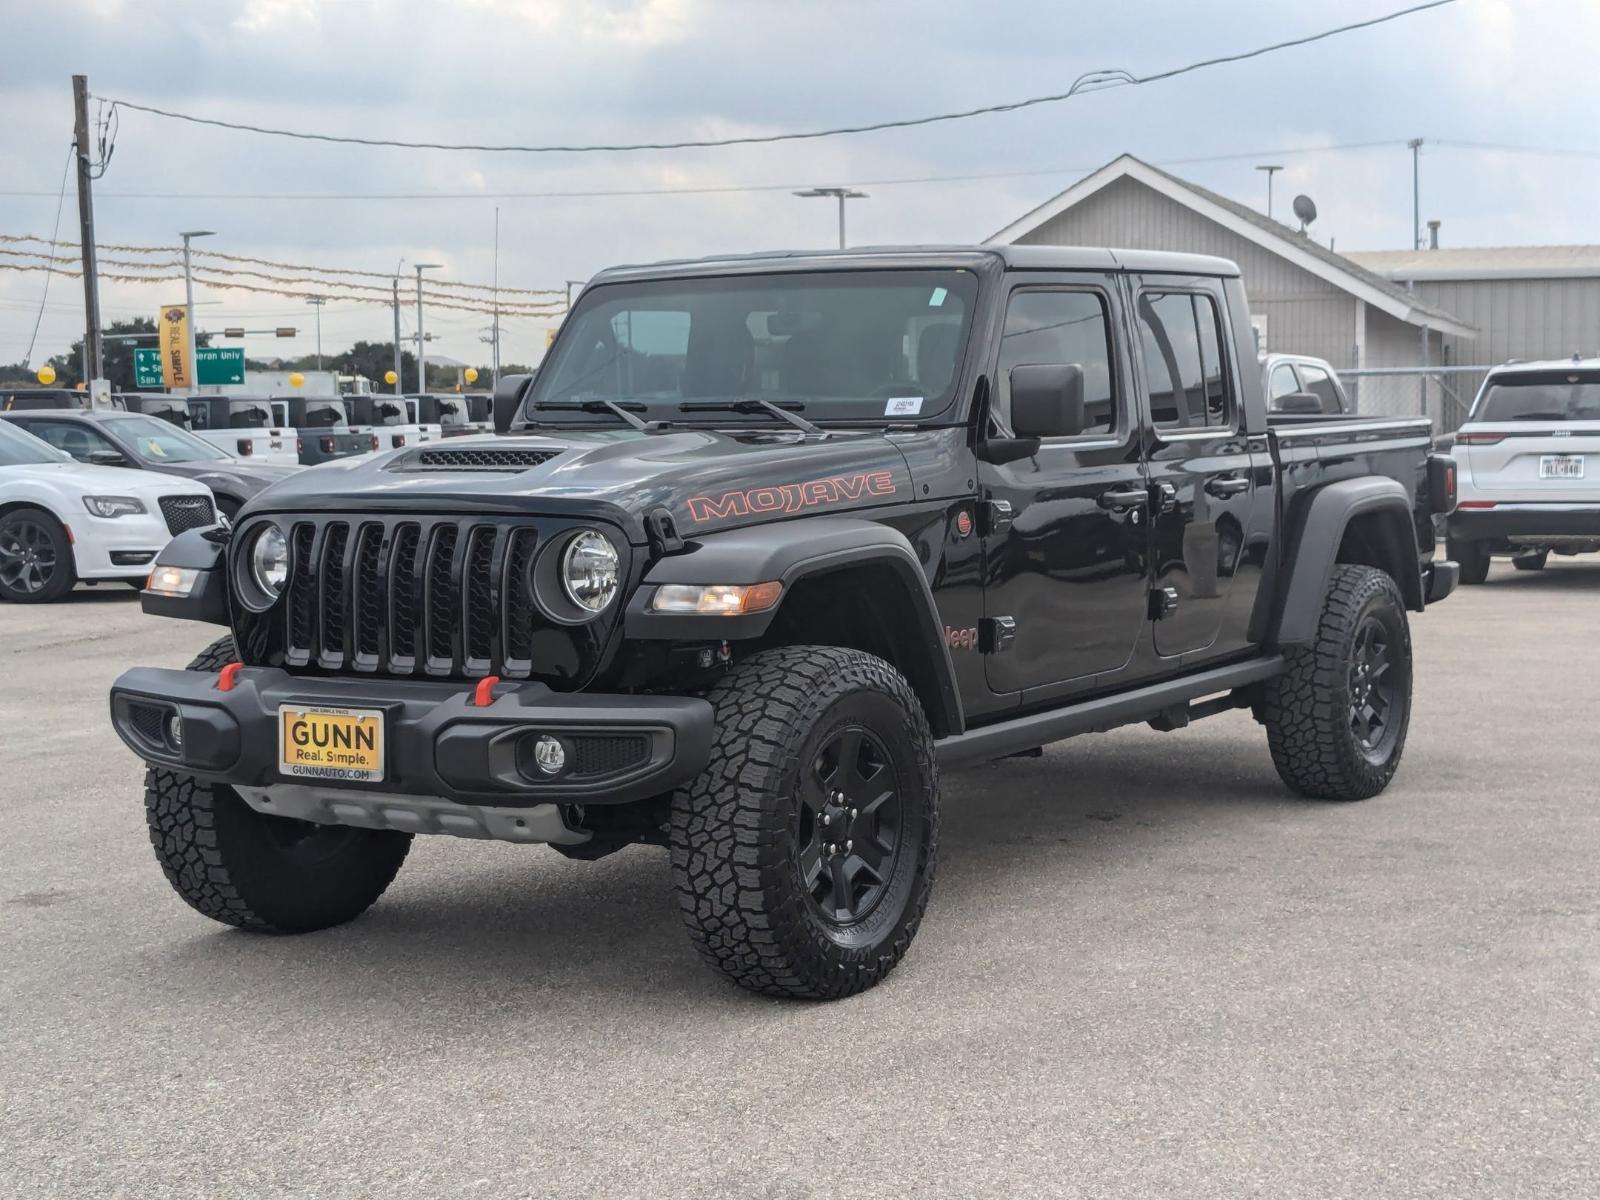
(706, 479)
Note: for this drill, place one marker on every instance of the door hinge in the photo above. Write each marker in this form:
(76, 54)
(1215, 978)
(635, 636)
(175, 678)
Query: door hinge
(995, 634)
(1163, 601)
(995, 516)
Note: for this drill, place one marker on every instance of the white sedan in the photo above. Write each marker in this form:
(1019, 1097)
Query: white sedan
(62, 520)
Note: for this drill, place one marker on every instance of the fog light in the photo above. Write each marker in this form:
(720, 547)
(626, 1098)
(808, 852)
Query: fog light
(175, 731)
(549, 755)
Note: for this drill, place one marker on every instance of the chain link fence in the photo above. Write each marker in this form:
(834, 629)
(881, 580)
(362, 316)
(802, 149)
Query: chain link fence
(1443, 394)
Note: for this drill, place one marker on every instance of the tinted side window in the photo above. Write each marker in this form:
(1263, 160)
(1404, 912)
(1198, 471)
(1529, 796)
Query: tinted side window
(1283, 382)
(1321, 385)
(1043, 328)
(77, 440)
(1181, 337)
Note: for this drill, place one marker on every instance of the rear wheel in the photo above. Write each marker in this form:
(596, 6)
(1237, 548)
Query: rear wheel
(35, 557)
(1337, 716)
(265, 874)
(804, 852)
(1473, 558)
(1531, 562)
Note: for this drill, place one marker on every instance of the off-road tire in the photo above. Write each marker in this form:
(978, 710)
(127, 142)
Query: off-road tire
(1307, 710)
(63, 574)
(260, 873)
(1531, 562)
(1472, 558)
(736, 829)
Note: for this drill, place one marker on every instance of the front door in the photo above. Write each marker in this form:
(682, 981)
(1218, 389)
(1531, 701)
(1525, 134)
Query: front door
(1065, 531)
(1202, 486)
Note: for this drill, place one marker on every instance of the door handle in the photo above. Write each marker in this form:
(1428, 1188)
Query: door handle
(1224, 486)
(1124, 498)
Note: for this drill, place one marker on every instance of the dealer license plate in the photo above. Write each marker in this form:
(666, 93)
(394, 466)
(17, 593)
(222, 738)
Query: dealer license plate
(330, 743)
(1561, 466)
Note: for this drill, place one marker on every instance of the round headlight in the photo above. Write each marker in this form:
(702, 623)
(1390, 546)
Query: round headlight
(269, 560)
(589, 571)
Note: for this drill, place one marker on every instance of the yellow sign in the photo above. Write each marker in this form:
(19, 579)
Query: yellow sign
(173, 327)
(549, 337)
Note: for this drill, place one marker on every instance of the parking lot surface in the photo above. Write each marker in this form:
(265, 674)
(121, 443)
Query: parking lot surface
(1146, 971)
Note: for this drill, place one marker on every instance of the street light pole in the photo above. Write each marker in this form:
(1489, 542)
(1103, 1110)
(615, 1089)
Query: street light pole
(1416, 197)
(842, 195)
(422, 356)
(317, 302)
(188, 306)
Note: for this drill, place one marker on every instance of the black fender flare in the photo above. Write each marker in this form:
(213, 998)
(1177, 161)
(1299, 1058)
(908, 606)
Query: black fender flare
(207, 600)
(789, 551)
(1314, 548)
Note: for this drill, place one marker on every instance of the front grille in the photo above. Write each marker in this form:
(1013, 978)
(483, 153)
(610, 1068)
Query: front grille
(488, 458)
(187, 512)
(442, 597)
(608, 755)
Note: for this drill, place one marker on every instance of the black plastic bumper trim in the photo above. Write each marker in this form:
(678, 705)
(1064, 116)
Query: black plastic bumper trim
(437, 742)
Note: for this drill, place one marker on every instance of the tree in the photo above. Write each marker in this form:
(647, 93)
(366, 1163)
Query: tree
(116, 354)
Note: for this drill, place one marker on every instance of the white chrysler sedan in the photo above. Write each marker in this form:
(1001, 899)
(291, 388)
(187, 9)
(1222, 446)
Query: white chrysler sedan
(62, 520)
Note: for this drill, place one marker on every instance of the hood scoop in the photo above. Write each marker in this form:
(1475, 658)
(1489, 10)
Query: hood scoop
(478, 458)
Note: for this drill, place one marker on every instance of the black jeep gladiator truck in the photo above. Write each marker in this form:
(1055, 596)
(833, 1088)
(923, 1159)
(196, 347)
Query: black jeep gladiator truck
(768, 543)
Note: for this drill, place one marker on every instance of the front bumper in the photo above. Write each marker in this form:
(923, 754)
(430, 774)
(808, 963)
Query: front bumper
(1441, 579)
(1531, 522)
(117, 547)
(437, 742)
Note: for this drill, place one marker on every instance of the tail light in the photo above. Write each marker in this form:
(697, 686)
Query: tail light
(1476, 504)
(327, 444)
(1441, 483)
(1479, 439)
(247, 447)
(397, 440)
(299, 446)
(374, 441)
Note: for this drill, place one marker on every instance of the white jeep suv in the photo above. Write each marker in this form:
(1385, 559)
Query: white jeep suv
(1528, 463)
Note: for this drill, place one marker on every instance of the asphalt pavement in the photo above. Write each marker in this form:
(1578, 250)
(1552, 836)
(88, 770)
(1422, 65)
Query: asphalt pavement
(1145, 971)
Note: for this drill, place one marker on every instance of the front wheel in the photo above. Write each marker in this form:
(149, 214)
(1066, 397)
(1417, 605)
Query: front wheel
(261, 873)
(804, 852)
(1337, 716)
(35, 557)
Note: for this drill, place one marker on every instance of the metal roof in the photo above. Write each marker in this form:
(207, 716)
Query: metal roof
(1483, 262)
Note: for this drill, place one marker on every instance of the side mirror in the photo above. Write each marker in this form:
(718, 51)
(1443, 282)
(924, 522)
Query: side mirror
(1047, 400)
(507, 399)
(108, 458)
(1302, 403)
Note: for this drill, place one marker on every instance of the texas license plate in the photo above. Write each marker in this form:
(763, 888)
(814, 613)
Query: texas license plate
(330, 743)
(1561, 466)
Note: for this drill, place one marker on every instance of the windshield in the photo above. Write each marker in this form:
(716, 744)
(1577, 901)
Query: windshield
(849, 345)
(159, 442)
(1574, 396)
(19, 449)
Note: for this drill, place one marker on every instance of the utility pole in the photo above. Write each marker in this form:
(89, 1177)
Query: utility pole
(494, 367)
(422, 352)
(842, 194)
(317, 302)
(399, 383)
(1271, 170)
(93, 358)
(1416, 195)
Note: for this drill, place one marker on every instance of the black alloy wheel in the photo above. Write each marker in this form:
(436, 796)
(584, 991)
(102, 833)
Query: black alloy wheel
(35, 557)
(850, 819)
(1372, 690)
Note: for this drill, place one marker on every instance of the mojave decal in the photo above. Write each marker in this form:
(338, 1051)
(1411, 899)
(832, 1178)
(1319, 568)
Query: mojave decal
(791, 497)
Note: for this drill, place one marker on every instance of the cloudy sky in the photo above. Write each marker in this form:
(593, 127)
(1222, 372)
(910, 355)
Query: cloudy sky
(1518, 73)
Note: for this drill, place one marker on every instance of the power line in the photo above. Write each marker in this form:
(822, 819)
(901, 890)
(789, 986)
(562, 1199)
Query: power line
(716, 189)
(55, 231)
(1089, 81)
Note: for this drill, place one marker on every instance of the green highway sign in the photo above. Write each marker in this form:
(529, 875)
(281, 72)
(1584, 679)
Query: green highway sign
(218, 365)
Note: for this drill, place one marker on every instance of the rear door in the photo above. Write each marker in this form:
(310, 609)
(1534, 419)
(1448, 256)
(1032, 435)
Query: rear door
(1535, 437)
(1203, 491)
(1065, 537)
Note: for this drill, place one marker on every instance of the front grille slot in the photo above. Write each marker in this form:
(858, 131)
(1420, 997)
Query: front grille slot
(444, 597)
(187, 512)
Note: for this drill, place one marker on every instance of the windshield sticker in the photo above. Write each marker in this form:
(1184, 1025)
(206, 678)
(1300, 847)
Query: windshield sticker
(937, 299)
(791, 497)
(903, 406)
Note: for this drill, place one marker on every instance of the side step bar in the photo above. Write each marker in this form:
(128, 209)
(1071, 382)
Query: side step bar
(1098, 715)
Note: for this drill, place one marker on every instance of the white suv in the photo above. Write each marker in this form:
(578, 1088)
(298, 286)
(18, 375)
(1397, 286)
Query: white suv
(1528, 462)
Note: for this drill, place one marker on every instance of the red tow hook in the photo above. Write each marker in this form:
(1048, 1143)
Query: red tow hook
(483, 695)
(226, 676)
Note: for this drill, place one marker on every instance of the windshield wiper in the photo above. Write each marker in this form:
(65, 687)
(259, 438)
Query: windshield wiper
(784, 412)
(610, 406)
